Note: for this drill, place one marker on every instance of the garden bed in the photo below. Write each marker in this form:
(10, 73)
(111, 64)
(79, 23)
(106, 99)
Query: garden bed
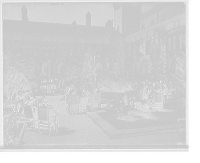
(172, 111)
(13, 127)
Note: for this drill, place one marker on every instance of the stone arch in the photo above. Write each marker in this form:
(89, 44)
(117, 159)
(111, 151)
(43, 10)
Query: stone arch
(59, 66)
(44, 69)
(138, 67)
(149, 66)
(143, 66)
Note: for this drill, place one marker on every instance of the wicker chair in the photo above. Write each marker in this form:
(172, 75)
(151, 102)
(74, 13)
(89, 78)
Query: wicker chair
(47, 117)
(29, 119)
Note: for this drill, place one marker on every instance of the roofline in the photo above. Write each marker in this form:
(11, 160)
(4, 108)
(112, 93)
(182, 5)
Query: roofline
(61, 24)
(157, 24)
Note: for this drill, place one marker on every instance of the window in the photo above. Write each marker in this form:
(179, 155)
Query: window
(81, 40)
(28, 38)
(106, 41)
(48, 51)
(163, 17)
(61, 39)
(43, 51)
(45, 39)
(132, 39)
(174, 43)
(148, 47)
(150, 33)
(18, 37)
(138, 37)
(98, 41)
(71, 39)
(169, 44)
(53, 39)
(169, 26)
(181, 41)
(55, 51)
(36, 51)
(152, 22)
(131, 26)
(142, 27)
(144, 35)
(37, 38)
(90, 41)
(7, 37)
(176, 24)
(182, 22)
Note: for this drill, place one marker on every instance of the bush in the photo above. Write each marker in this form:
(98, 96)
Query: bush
(117, 84)
(9, 103)
(11, 123)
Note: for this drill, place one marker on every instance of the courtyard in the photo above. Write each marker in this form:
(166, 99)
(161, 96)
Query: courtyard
(80, 131)
(110, 76)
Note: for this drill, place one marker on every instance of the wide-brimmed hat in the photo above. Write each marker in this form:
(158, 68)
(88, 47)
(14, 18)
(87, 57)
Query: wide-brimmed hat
(44, 99)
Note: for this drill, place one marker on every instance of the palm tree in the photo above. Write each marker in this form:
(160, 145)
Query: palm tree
(19, 62)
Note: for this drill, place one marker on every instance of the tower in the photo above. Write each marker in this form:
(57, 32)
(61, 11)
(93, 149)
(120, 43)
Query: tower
(24, 14)
(127, 17)
(88, 19)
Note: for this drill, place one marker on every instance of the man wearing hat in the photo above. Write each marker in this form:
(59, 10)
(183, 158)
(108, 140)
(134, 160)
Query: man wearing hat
(52, 110)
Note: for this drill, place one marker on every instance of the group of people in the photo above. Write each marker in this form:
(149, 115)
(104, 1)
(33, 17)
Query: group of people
(27, 98)
(71, 90)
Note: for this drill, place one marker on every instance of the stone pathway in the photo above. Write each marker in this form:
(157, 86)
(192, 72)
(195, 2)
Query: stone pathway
(80, 131)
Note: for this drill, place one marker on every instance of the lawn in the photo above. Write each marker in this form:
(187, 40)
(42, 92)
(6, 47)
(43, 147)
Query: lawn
(172, 111)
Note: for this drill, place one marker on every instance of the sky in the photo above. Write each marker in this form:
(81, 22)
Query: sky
(67, 13)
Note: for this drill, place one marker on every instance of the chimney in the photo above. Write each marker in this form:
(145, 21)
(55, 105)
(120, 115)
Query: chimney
(88, 19)
(24, 13)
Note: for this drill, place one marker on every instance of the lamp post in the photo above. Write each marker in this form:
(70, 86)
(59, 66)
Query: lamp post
(94, 82)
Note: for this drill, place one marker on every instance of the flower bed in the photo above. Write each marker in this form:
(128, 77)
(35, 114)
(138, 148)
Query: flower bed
(12, 128)
(172, 111)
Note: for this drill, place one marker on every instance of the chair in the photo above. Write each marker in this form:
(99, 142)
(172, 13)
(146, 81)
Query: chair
(29, 119)
(47, 117)
(73, 104)
(181, 128)
(158, 101)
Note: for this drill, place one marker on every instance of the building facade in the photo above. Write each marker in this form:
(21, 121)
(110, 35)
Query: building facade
(58, 43)
(127, 17)
(162, 26)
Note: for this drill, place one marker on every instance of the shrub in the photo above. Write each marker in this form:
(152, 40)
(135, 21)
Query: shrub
(11, 123)
(117, 84)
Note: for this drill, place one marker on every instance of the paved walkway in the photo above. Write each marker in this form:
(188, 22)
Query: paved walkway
(80, 131)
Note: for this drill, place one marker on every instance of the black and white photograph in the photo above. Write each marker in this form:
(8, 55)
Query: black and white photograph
(95, 75)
